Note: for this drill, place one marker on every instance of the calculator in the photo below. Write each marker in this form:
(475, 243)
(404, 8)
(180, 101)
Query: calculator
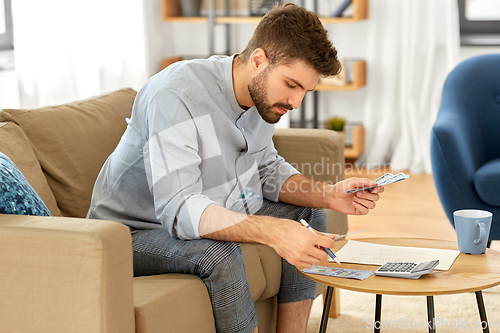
(406, 270)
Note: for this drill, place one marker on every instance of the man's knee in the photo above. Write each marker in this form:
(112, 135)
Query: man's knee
(318, 219)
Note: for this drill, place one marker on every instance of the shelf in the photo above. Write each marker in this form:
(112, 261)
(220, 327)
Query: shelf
(256, 20)
(237, 19)
(171, 12)
(251, 20)
(182, 19)
(358, 143)
(358, 79)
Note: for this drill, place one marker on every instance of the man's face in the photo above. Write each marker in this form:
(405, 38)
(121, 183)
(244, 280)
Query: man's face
(281, 88)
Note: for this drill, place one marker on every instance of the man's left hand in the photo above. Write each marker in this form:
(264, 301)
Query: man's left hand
(358, 203)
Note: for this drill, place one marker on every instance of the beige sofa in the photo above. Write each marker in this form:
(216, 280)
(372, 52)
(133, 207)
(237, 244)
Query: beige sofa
(69, 274)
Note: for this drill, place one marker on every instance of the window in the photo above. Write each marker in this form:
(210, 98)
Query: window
(6, 36)
(479, 22)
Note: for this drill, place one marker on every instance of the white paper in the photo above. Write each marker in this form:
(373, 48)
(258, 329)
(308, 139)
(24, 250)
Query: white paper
(375, 254)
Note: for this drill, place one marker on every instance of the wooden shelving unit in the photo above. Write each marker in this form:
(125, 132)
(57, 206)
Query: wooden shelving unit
(171, 12)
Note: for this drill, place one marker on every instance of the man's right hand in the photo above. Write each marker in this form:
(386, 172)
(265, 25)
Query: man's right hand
(299, 246)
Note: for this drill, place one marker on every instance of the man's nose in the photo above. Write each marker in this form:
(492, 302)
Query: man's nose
(296, 99)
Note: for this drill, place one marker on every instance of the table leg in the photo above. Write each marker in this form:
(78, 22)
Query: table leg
(326, 309)
(482, 312)
(378, 313)
(430, 314)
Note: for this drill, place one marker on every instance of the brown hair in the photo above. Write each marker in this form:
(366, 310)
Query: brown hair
(288, 33)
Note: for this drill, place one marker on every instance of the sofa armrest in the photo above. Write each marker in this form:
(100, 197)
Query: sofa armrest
(65, 275)
(318, 154)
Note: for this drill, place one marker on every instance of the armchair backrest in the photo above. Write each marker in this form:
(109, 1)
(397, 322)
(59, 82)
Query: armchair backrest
(472, 91)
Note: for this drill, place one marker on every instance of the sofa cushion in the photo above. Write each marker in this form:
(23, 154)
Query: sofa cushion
(72, 142)
(172, 303)
(487, 182)
(16, 194)
(15, 145)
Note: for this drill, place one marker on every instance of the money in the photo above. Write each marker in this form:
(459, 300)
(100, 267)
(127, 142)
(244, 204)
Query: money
(338, 272)
(386, 179)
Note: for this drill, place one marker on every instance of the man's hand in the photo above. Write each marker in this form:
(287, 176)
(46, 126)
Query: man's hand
(299, 246)
(358, 203)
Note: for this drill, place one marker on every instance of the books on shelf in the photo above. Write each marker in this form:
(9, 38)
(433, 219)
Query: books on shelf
(236, 8)
(245, 8)
(341, 9)
(261, 7)
(331, 8)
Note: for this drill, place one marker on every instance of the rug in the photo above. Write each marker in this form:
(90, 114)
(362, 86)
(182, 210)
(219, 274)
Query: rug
(454, 313)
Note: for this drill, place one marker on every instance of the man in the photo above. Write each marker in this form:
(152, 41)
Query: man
(196, 171)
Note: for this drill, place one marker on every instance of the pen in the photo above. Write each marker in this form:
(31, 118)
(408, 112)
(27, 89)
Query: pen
(327, 250)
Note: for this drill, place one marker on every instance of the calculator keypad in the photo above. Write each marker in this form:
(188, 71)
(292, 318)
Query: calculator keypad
(402, 267)
(407, 270)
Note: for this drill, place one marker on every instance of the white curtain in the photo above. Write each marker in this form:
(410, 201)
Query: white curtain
(67, 50)
(412, 46)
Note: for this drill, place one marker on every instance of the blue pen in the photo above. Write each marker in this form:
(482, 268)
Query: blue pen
(327, 250)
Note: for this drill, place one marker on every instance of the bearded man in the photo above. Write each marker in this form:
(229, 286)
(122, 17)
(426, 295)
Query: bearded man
(196, 171)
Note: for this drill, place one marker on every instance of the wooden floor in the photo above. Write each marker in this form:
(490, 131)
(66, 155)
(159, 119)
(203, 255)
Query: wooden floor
(409, 208)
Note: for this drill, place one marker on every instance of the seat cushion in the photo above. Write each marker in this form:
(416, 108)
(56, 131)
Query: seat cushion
(72, 142)
(487, 182)
(16, 194)
(172, 303)
(15, 144)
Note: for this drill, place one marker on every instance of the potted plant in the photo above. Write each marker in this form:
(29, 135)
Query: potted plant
(336, 124)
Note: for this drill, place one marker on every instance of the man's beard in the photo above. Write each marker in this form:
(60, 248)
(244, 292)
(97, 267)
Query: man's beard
(257, 90)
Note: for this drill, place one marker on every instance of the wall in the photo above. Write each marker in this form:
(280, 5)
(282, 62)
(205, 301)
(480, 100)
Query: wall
(471, 51)
(9, 90)
(9, 96)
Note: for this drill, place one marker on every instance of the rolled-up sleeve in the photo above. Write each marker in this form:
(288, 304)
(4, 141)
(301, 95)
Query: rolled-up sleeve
(172, 159)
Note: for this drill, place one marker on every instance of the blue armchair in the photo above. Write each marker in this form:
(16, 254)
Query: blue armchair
(465, 139)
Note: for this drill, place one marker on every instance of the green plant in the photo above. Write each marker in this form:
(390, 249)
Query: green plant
(336, 123)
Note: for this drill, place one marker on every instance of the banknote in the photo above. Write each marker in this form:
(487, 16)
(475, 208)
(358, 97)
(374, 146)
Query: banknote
(338, 272)
(384, 180)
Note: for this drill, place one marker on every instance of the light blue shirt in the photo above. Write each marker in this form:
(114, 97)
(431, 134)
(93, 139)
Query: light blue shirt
(187, 145)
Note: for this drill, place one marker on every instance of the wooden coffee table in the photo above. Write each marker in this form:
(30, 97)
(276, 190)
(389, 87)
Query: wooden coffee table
(469, 273)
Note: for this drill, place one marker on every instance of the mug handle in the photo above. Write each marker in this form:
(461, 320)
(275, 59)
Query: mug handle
(482, 233)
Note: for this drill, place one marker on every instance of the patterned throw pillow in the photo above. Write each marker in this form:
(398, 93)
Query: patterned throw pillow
(16, 194)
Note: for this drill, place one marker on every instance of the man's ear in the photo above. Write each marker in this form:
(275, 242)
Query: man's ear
(258, 60)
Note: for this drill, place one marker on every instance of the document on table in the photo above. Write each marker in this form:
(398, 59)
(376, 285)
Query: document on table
(375, 254)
